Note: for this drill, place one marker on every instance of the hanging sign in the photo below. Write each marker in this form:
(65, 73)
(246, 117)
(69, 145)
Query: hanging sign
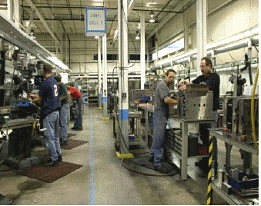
(95, 21)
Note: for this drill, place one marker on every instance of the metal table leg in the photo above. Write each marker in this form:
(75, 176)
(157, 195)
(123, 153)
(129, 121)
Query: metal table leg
(228, 155)
(184, 153)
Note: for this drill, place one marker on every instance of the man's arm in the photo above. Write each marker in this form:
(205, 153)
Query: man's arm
(35, 98)
(63, 97)
(170, 101)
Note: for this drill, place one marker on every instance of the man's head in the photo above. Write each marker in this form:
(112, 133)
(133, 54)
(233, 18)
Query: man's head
(58, 78)
(47, 70)
(170, 76)
(206, 66)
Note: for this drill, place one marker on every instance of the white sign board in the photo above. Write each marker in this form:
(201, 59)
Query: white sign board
(95, 21)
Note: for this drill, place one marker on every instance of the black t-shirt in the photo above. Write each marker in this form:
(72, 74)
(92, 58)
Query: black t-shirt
(49, 93)
(213, 81)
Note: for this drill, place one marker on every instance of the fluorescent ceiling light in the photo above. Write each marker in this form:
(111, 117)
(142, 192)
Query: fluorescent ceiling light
(137, 36)
(58, 63)
(151, 3)
(151, 17)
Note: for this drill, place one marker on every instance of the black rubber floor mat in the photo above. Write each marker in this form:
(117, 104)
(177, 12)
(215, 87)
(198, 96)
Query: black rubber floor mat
(50, 174)
(169, 169)
(72, 143)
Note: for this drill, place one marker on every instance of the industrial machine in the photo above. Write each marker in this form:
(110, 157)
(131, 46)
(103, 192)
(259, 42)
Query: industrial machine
(237, 115)
(196, 102)
(19, 118)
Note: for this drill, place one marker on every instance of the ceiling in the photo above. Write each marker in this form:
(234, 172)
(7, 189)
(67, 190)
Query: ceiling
(70, 14)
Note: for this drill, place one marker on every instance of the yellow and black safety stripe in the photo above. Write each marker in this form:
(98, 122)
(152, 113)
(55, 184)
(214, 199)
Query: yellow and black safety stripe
(210, 191)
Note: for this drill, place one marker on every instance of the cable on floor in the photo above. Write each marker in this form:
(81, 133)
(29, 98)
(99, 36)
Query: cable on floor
(146, 174)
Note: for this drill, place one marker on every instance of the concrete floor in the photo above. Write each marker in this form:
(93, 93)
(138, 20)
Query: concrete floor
(103, 180)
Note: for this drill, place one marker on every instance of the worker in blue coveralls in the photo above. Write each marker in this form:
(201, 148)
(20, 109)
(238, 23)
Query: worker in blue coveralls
(160, 118)
(50, 103)
(211, 79)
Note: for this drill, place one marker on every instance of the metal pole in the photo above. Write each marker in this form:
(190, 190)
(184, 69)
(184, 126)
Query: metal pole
(99, 75)
(201, 32)
(142, 49)
(104, 53)
(123, 76)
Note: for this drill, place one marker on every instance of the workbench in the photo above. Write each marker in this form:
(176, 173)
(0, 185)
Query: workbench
(184, 147)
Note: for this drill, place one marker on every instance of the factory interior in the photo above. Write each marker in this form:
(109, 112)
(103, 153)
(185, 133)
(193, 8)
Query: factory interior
(119, 55)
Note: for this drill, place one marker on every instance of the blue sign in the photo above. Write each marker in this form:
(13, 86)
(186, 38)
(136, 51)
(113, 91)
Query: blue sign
(95, 21)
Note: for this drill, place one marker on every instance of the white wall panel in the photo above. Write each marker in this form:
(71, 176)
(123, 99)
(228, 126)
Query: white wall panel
(232, 19)
(173, 27)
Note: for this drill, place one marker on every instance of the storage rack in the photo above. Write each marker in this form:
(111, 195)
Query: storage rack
(248, 148)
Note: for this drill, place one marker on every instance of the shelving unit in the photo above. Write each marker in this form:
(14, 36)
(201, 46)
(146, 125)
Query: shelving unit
(248, 149)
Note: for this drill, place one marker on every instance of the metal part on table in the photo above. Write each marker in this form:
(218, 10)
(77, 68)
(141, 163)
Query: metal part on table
(137, 94)
(195, 103)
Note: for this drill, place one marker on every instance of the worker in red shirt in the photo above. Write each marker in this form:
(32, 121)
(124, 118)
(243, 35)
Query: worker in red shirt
(76, 96)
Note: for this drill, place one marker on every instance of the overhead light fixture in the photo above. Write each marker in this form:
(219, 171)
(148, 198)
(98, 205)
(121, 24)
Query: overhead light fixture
(152, 3)
(58, 62)
(137, 35)
(152, 17)
(96, 37)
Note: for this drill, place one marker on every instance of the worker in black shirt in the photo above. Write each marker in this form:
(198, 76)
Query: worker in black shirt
(63, 115)
(50, 104)
(212, 79)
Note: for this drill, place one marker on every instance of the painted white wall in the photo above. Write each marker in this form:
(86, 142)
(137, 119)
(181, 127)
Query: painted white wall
(225, 18)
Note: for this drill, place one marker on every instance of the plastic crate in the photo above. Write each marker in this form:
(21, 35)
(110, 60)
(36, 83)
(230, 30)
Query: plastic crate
(252, 181)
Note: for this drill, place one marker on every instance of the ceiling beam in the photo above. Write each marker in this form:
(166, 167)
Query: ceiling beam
(77, 19)
(43, 21)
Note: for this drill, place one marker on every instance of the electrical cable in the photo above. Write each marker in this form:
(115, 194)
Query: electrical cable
(253, 109)
(231, 56)
(147, 174)
(122, 135)
(256, 49)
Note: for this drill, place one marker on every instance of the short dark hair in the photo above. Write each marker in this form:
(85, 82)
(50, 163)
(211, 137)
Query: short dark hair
(208, 61)
(58, 78)
(47, 68)
(170, 70)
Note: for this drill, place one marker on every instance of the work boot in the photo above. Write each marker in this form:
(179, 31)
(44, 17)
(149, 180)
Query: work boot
(151, 159)
(160, 168)
(52, 163)
(60, 158)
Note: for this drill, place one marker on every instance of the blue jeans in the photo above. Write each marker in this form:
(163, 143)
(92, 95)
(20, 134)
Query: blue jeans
(63, 120)
(78, 114)
(159, 130)
(51, 123)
